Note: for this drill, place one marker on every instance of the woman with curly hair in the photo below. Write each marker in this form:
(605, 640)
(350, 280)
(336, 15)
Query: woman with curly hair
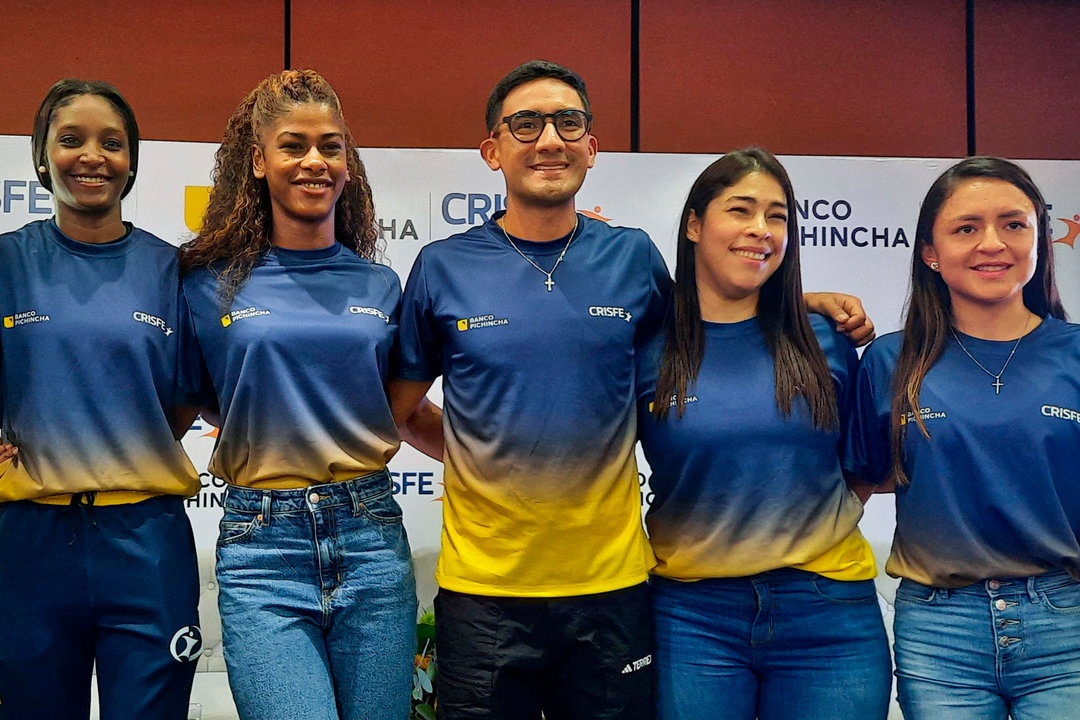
(288, 330)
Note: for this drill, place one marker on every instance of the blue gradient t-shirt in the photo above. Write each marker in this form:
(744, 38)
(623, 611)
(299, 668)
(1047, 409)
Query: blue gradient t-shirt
(995, 491)
(297, 366)
(542, 494)
(88, 347)
(739, 488)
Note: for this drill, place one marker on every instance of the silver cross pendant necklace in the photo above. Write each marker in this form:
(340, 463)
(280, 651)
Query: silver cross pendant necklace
(997, 384)
(549, 282)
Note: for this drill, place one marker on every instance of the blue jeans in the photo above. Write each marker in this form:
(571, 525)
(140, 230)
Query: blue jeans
(782, 644)
(318, 602)
(989, 650)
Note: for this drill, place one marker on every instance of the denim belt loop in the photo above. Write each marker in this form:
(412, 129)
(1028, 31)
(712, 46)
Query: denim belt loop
(1032, 592)
(354, 498)
(265, 516)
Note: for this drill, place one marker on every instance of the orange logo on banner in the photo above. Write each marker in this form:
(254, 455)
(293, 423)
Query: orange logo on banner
(1074, 230)
(595, 214)
(196, 198)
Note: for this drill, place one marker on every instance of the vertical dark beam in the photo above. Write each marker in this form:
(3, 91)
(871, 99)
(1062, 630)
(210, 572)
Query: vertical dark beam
(635, 75)
(970, 52)
(288, 35)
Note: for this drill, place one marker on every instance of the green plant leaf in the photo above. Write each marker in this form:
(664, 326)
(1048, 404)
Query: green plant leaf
(425, 711)
(425, 681)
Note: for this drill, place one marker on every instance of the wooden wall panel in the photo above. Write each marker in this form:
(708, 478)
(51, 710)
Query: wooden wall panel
(418, 74)
(849, 77)
(1027, 78)
(183, 66)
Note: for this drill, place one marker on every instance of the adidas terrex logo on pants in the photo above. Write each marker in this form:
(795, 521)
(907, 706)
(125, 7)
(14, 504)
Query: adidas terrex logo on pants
(637, 664)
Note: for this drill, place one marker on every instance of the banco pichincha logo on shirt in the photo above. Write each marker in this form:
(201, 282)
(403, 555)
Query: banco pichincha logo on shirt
(237, 315)
(25, 317)
(675, 401)
(478, 322)
(926, 414)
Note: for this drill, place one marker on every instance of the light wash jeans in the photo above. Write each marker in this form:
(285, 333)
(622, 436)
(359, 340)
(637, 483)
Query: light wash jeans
(775, 646)
(318, 602)
(989, 650)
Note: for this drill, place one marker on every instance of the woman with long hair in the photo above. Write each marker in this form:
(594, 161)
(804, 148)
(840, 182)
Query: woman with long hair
(288, 332)
(763, 599)
(972, 412)
(97, 558)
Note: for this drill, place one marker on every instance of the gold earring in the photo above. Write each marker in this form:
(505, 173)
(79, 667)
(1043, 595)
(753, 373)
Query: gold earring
(42, 169)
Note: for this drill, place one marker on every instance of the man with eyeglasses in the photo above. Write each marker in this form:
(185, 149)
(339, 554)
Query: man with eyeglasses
(534, 320)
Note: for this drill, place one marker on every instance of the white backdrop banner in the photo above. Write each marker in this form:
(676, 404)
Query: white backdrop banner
(857, 218)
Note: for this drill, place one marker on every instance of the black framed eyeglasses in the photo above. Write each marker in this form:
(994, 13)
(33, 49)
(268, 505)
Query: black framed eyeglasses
(527, 125)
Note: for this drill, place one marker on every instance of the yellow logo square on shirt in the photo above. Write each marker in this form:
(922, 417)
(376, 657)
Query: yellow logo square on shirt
(226, 320)
(462, 325)
(9, 321)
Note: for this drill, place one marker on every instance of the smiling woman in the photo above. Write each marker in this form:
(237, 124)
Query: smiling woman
(763, 600)
(967, 412)
(316, 587)
(93, 536)
(303, 160)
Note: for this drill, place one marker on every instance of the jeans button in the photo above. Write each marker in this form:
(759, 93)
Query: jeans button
(314, 498)
(1000, 604)
(994, 584)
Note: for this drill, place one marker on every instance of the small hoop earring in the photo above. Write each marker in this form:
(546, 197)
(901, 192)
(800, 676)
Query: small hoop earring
(131, 173)
(935, 266)
(42, 169)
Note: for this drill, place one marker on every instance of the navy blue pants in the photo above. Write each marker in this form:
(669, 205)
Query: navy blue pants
(113, 584)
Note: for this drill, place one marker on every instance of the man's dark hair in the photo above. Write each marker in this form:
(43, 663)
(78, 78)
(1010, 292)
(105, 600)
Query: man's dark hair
(532, 70)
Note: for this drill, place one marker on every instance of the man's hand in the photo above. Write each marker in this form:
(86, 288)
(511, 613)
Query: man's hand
(846, 311)
(9, 452)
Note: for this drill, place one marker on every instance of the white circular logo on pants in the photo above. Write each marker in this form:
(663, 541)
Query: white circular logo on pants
(187, 643)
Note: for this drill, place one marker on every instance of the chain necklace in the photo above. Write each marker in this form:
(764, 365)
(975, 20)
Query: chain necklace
(997, 384)
(549, 282)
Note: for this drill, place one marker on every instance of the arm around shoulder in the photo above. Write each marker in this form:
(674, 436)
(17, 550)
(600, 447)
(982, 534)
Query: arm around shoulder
(846, 311)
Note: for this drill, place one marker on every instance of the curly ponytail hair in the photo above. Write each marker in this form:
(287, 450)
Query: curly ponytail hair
(237, 227)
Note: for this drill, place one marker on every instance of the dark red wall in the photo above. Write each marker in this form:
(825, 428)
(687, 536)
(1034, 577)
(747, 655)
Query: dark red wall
(847, 77)
(183, 66)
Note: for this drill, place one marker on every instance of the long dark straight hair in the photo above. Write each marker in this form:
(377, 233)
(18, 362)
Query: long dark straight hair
(800, 365)
(929, 313)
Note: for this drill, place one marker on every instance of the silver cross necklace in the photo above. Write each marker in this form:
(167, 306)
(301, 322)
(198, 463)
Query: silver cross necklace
(997, 384)
(549, 283)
